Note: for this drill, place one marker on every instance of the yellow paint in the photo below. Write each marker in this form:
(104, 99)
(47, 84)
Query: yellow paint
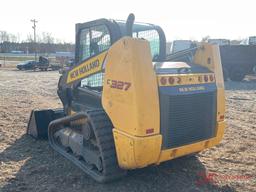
(136, 152)
(136, 109)
(209, 56)
(185, 79)
(87, 68)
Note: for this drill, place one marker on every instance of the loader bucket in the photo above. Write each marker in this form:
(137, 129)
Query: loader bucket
(39, 121)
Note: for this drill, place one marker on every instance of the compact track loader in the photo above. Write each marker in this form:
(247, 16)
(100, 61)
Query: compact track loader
(128, 105)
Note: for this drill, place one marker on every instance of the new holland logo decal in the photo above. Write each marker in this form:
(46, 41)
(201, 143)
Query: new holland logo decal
(87, 68)
(186, 89)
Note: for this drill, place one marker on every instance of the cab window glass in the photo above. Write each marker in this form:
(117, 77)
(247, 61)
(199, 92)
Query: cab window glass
(84, 49)
(93, 41)
(153, 37)
(100, 40)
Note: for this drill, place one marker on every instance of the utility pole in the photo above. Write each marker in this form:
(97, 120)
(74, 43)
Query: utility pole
(34, 27)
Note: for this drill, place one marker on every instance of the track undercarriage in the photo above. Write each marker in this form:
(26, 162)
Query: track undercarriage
(86, 139)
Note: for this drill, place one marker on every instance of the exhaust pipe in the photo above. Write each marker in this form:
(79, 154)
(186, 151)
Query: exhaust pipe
(129, 24)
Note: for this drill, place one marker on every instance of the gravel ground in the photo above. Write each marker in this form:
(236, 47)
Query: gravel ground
(30, 165)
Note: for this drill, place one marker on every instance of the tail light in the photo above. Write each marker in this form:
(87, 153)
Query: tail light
(149, 131)
(171, 80)
(163, 80)
(178, 80)
(211, 78)
(206, 78)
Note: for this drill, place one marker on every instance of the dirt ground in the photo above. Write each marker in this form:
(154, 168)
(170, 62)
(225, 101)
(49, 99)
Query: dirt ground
(30, 165)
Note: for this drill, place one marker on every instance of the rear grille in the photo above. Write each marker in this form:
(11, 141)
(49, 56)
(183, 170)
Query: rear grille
(187, 118)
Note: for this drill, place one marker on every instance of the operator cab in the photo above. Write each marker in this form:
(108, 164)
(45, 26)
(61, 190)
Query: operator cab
(95, 37)
(152, 33)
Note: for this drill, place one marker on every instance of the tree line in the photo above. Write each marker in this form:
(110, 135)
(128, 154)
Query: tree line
(46, 43)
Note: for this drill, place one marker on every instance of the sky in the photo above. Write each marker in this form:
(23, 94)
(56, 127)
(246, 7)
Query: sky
(180, 19)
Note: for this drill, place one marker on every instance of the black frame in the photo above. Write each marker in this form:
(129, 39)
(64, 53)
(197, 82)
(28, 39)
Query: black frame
(116, 32)
(113, 31)
(67, 92)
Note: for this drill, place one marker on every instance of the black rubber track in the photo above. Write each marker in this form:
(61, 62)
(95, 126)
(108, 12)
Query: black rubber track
(102, 128)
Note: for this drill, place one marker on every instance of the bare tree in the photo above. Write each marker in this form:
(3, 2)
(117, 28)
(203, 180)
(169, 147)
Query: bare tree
(30, 38)
(47, 38)
(205, 39)
(4, 36)
(46, 43)
(18, 37)
(13, 38)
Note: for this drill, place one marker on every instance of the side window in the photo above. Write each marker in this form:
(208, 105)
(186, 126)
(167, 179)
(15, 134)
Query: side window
(93, 41)
(100, 40)
(84, 49)
(252, 40)
(95, 80)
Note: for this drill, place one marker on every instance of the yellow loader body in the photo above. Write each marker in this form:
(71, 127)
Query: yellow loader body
(131, 99)
(127, 104)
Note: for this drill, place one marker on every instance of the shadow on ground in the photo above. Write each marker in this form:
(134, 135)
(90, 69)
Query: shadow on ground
(247, 84)
(45, 170)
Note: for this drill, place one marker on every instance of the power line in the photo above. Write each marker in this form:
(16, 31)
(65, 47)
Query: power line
(34, 28)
